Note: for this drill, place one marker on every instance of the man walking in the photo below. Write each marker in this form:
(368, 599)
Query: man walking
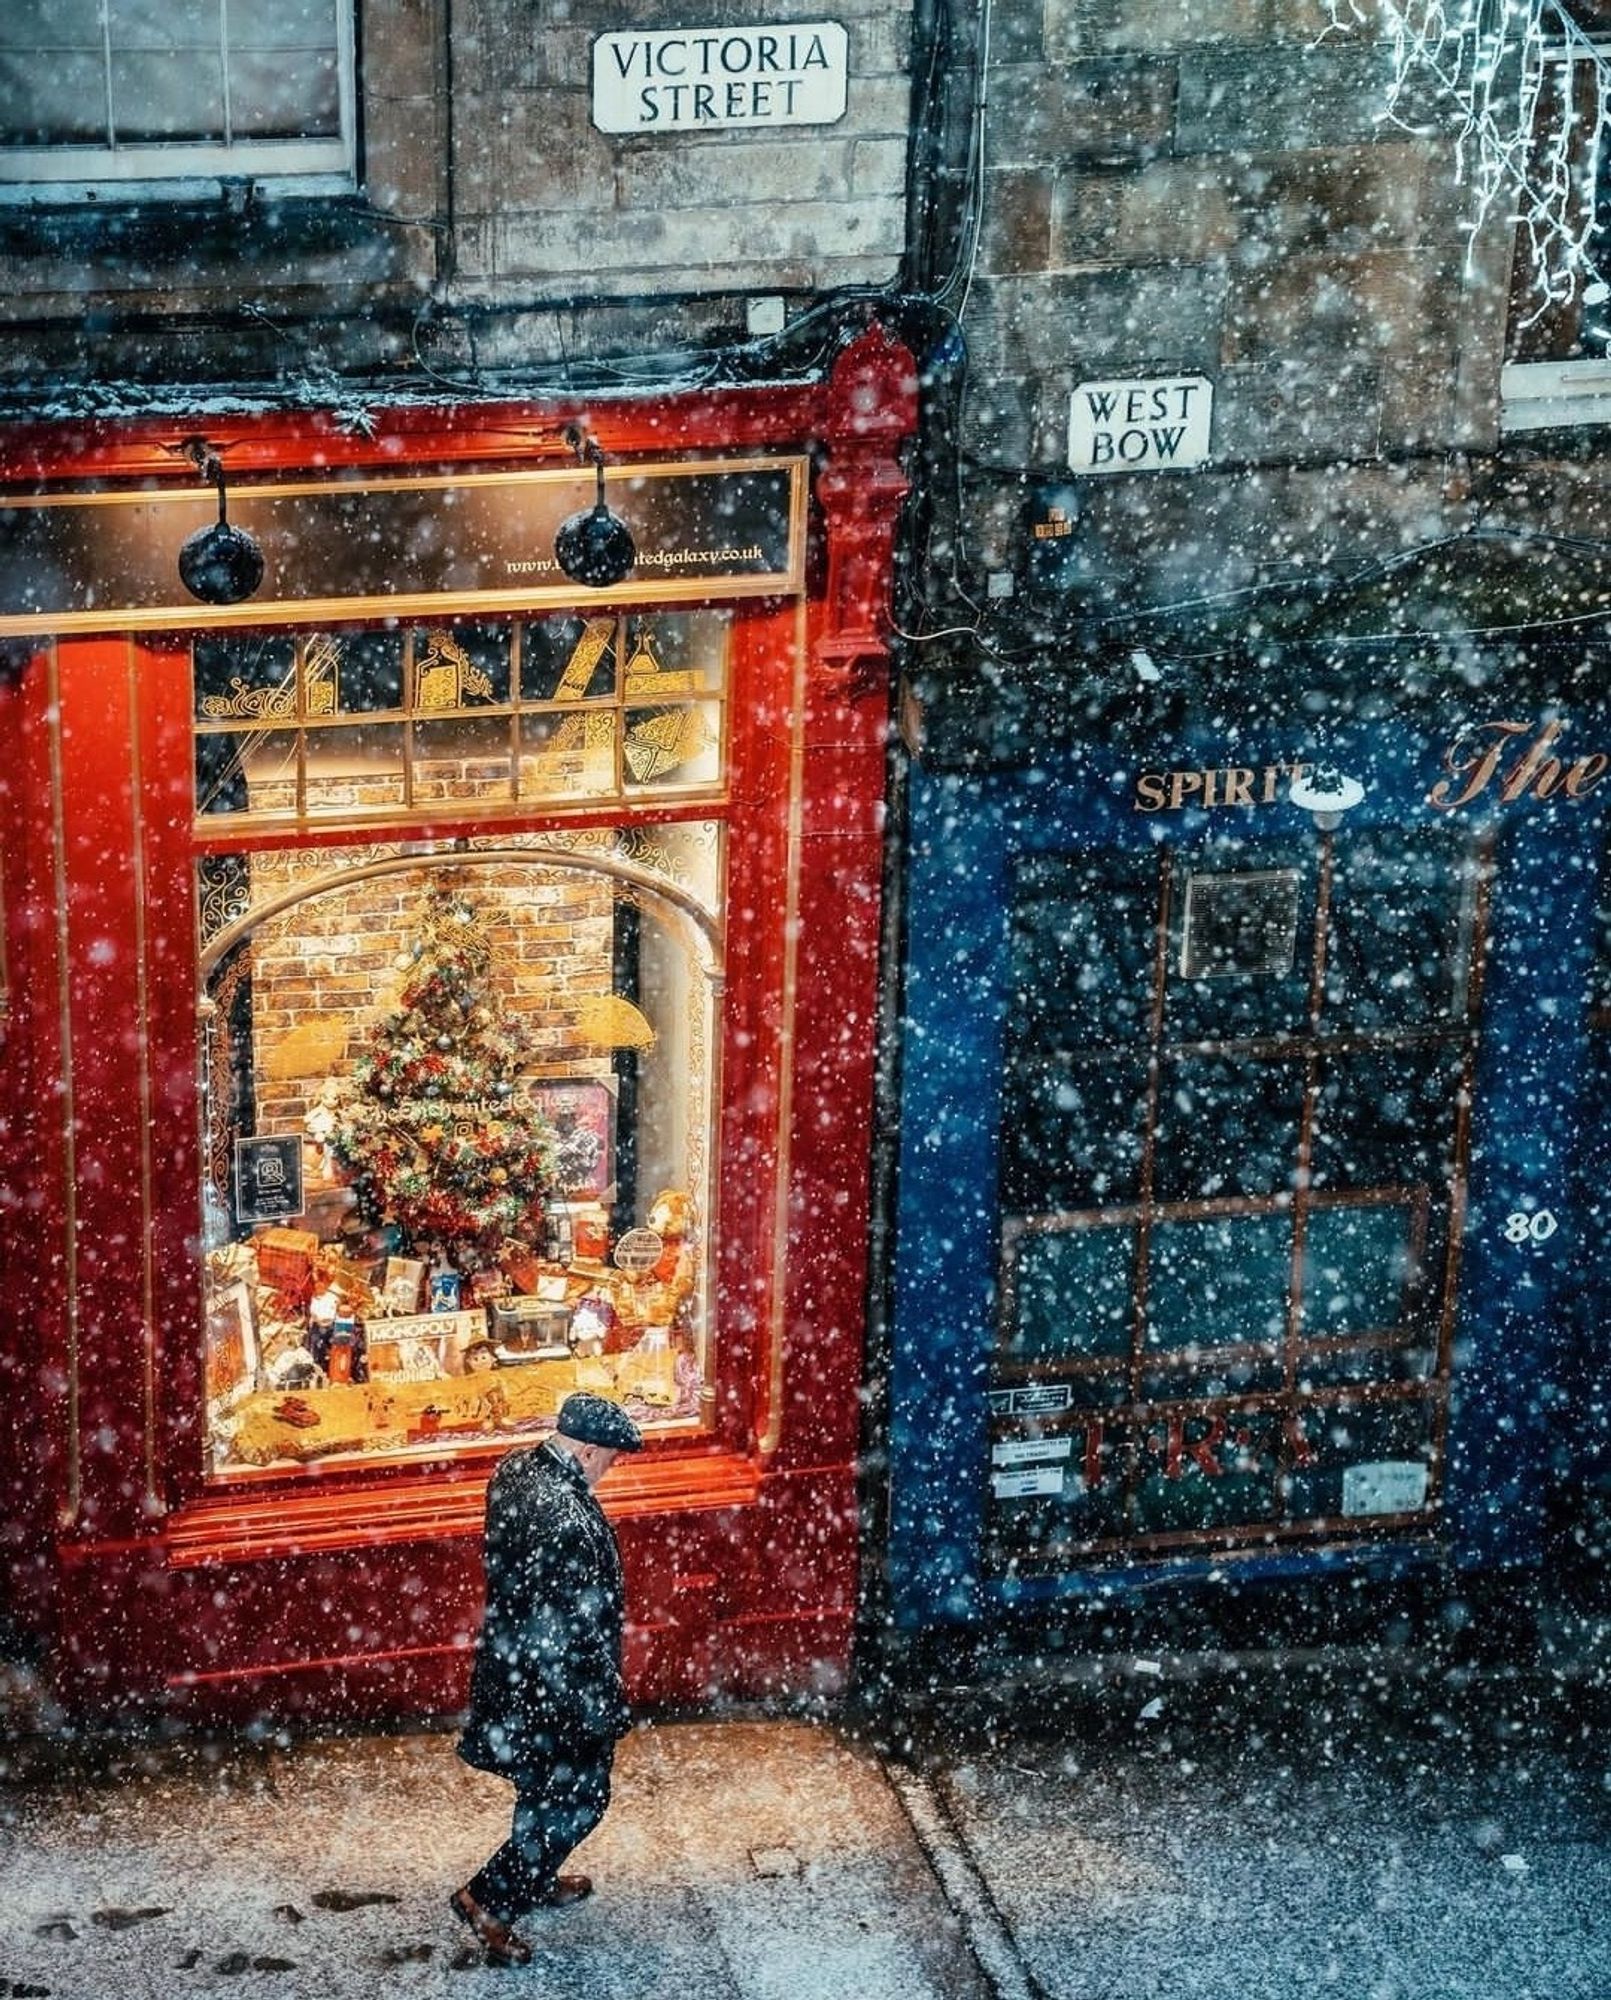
(547, 1700)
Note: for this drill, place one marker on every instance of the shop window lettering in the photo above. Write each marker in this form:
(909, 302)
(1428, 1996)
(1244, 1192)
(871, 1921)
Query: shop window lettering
(1221, 785)
(1207, 1446)
(1479, 762)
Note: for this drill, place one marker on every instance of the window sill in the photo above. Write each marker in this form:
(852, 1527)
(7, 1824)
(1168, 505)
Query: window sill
(1554, 395)
(220, 1528)
(230, 228)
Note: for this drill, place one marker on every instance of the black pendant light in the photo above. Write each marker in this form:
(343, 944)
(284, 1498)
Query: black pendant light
(595, 546)
(220, 564)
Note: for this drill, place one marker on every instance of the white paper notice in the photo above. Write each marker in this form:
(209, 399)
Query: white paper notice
(1393, 1486)
(1030, 1451)
(1031, 1481)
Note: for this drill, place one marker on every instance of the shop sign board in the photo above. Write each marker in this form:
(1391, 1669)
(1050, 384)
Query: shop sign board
(1156, 424)
(1496, 763)
(1391, 1486)
(1040, 1399)
(1031, 1451)
(396, 546)
(707, 79)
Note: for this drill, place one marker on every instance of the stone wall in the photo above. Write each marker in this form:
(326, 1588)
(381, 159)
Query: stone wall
(494, 227)
(1208, 187)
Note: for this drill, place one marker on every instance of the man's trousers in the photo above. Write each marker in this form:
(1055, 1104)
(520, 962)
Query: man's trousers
(555, 1809)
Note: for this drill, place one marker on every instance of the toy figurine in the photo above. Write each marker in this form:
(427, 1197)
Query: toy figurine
(593, 1324)
(671, 1217)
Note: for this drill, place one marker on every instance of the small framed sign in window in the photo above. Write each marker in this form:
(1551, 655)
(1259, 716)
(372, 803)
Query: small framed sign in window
(1240, 926)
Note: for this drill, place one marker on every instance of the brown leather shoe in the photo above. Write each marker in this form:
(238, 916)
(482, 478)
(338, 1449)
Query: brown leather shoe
(501, 1945)
(568, 1889)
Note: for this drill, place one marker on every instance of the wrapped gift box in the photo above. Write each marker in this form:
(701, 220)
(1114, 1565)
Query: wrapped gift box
(285, 1257)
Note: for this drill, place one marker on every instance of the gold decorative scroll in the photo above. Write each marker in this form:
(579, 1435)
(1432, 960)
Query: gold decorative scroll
(446, 677)
(251, 704)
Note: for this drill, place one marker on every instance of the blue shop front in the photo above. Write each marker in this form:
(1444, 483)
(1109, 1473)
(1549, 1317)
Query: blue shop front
(1253, 1061)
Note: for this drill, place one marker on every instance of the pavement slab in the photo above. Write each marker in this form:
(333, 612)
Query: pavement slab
(1223, 1845)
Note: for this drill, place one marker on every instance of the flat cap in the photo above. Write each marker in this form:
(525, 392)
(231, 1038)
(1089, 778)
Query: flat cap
(594, 1420)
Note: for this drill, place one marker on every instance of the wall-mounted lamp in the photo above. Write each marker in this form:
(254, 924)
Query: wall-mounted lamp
(220, 564)
(593, 547)
(1327, 793)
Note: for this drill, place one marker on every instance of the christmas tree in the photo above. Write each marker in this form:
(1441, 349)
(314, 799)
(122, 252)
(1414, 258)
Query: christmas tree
(433, 1132)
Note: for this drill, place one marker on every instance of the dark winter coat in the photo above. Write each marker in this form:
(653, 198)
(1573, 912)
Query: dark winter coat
(547, 1678)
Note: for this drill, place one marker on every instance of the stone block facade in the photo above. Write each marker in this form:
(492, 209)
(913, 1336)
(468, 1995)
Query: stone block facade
(1213, 187)
(487, 198)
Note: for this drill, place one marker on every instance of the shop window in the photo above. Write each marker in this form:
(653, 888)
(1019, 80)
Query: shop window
(1224, 1304)
(538, 713)
(120, 93)
(458, 1116)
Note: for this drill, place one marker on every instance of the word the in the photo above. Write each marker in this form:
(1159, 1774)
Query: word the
(1474, 766)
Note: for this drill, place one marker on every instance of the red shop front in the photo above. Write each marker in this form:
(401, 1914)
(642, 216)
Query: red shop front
(436, 984)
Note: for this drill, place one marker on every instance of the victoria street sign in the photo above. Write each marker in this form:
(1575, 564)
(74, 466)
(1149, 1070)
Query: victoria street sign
(700, 79)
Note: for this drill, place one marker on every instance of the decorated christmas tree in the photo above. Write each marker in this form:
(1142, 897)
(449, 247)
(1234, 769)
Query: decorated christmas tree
(433, 1132)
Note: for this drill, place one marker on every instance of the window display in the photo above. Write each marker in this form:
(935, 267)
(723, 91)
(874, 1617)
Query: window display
(457, 1104)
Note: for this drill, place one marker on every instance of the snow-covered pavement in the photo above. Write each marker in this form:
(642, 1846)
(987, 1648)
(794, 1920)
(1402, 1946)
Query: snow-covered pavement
(1302, 1834)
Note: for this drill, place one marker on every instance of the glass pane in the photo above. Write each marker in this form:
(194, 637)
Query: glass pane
(568, 659)
(480, 1099)
(1397, 944)
(671, 748)
(1084, 938)
(50, 24)
(675, 653)
(1049, 1494)
(1385, 1118)
(1359, 1459)
(1358, 1264)
(56, 98)
(353, 673)
(567, 756)
(284, 94)
(465, 668)
(269, 765)
(164, 24)
(1072, 1133)
(1226, 1127)
(465, 758)
(355, 769)
(1070, 1293)
(1240, 926)
(1219, 1281)
(1206, 1469)
(221, 773)
(245, 679)
(168, 96)
(282, 24)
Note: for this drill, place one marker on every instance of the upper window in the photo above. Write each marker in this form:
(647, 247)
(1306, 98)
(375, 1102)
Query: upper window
(120, 93)
(547, 711)
(1559, 335)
